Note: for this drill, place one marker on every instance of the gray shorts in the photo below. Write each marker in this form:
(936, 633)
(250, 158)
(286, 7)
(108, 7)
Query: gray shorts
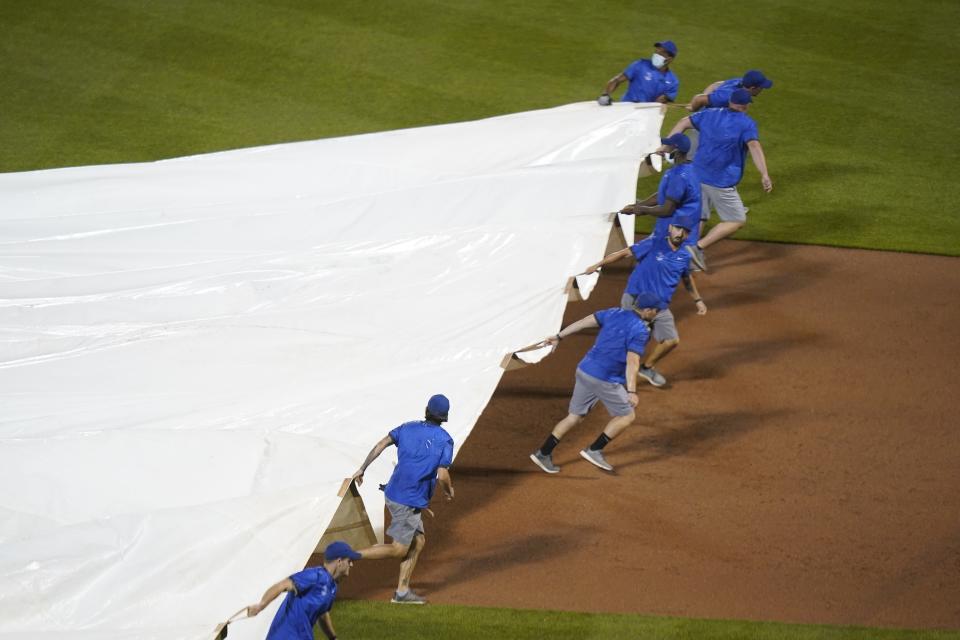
(726, 200)
(588, 390)
(405, 522)
(663, 327)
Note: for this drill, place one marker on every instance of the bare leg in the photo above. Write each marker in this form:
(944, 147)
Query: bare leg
(565, 425)
(384, 551)
(409, 562)
(616, 426)
(719, 232)
(661, 350)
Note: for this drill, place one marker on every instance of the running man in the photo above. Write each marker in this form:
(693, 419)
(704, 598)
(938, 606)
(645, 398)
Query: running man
(310, 596)
(677, 196)
(608, 374)
(725, 137)
(424, 456)
(661, 264)
(718, 94)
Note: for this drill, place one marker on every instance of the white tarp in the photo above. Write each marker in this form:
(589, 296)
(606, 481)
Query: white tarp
(195, 352)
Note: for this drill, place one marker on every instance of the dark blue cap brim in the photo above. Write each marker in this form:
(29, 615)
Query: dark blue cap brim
(672, 49)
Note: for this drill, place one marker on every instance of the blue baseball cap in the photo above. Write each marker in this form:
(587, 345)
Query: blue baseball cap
(339, 549)
(439, 406)
(741, 96)
(647, 300)
(754, 78)
(669, 46)
(678, 140)
(687, 221)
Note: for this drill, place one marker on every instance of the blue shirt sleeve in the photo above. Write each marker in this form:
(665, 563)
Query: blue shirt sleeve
(631, 71)
(642, 248)
(672, 91)
(446, 458)
(695, 119)
(395, 434)
(719, 98)
(601, 316)
(303, 581)
(750, 132)
(638, 339)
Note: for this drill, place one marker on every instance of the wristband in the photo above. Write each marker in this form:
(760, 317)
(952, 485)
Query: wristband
(698, 300)
(559, 337)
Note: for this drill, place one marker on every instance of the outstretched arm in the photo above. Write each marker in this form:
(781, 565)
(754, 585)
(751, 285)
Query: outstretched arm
(583, 323)
(712, 87)
(270, 595)
(649, 201)
(613, 83)
(760, 161)
(664, 210)
(378, 448)
(681, 126)
(613, 257)
(699, 102)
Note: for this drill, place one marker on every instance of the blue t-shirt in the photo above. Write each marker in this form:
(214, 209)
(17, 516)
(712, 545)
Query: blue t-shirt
(659, 268)
(315, 592)
(422, 448)
(682, 185)
(647, 83)
(720, 97)
(621, 330)
(724, 134)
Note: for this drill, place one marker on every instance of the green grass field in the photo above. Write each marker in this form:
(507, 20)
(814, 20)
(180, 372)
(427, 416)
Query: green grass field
(381, 620)
(860, 130)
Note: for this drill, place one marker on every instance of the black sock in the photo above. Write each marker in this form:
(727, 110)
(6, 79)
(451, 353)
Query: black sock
(600, 442)
(549, 444)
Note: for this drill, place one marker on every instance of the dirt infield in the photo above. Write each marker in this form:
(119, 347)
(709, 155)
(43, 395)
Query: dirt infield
(803, 465)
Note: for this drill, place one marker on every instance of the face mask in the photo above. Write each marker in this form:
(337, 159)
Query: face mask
(658, 60)
(669, 158)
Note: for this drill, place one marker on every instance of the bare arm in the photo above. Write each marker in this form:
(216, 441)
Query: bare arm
(698, 102)
(614, 82)
(649, 201)
(713, 87)
(633, 367)
(760, 161)
(613, 257)
(270, 595)
(326, 625)
(446, 483)
(583, 323)
(378, 448)
(691, 286)
(681, 126)
(664, 210)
